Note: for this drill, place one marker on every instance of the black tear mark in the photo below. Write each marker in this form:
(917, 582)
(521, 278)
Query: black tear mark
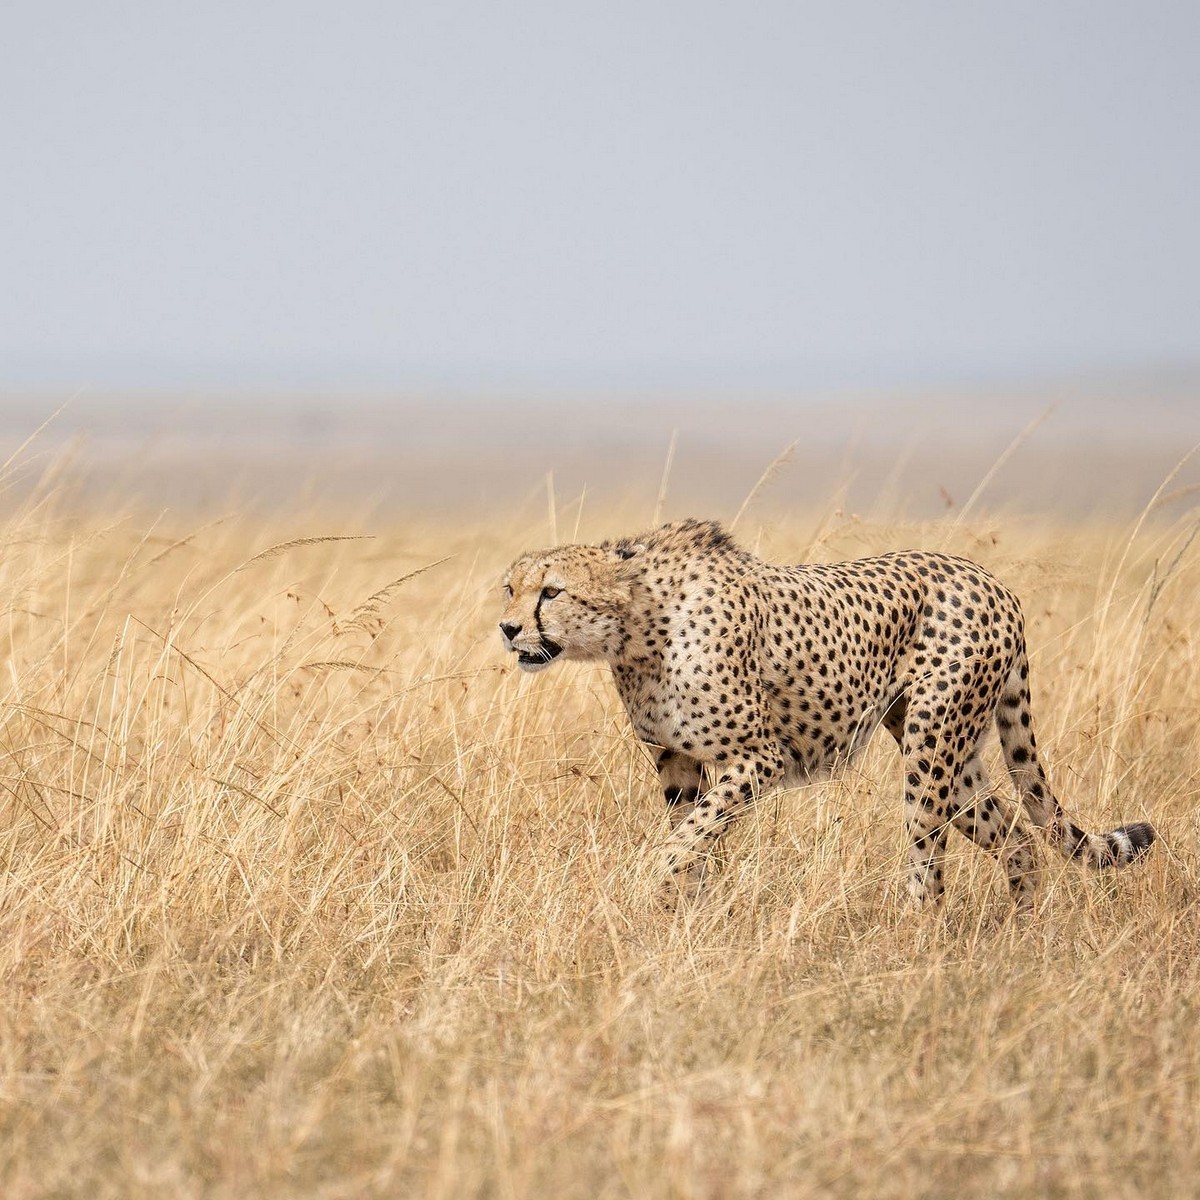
(537, 615)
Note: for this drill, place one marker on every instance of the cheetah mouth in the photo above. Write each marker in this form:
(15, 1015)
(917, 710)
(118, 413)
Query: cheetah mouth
(535, 660)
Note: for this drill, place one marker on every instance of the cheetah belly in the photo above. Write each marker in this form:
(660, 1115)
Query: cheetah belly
(824, 729)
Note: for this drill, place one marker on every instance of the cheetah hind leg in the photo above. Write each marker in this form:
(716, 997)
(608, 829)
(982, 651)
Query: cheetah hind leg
(924, 819)
(991, 823)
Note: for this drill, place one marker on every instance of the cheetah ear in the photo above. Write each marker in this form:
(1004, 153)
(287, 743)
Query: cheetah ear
(627, 564)
(625, 567)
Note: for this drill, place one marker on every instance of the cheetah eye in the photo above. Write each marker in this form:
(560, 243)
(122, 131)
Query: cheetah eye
(508, 592)
(548, 593)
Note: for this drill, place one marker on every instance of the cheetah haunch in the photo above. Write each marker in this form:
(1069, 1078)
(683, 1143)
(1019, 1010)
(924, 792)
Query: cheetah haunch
(744, 675)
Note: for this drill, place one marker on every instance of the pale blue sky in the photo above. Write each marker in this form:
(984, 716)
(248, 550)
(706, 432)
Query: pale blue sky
(473, 195)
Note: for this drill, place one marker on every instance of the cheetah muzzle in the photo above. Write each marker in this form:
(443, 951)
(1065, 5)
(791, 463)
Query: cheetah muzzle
(535, 660)
(743, 675)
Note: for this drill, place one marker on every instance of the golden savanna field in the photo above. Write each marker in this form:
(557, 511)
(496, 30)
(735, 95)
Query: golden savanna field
(306, 891)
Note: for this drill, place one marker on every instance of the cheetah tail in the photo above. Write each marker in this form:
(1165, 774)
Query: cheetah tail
(1099, 850)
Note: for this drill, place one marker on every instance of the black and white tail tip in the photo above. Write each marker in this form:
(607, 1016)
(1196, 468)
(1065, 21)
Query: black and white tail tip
(1115, 849)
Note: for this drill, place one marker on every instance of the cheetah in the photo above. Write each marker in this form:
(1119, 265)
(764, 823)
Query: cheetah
(742, 676)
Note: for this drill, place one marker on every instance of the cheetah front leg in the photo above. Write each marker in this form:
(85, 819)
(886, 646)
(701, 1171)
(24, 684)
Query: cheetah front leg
(737, 783)
(681, 777)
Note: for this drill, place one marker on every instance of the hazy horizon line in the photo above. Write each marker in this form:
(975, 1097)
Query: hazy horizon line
(267, 383)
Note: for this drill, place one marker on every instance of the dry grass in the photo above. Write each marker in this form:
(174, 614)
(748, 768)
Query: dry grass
(306, 892)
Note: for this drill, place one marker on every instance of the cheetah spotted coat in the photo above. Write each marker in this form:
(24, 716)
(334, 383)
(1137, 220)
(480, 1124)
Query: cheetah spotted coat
(743, 675)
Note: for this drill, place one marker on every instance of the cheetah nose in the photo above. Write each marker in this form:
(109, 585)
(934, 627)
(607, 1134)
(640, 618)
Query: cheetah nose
(509, 631)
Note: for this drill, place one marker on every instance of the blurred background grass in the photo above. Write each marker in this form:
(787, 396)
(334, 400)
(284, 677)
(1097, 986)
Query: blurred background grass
(1079, 449)
(307, 892)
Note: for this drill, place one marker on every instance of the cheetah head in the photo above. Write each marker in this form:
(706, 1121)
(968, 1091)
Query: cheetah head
(568, 602)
